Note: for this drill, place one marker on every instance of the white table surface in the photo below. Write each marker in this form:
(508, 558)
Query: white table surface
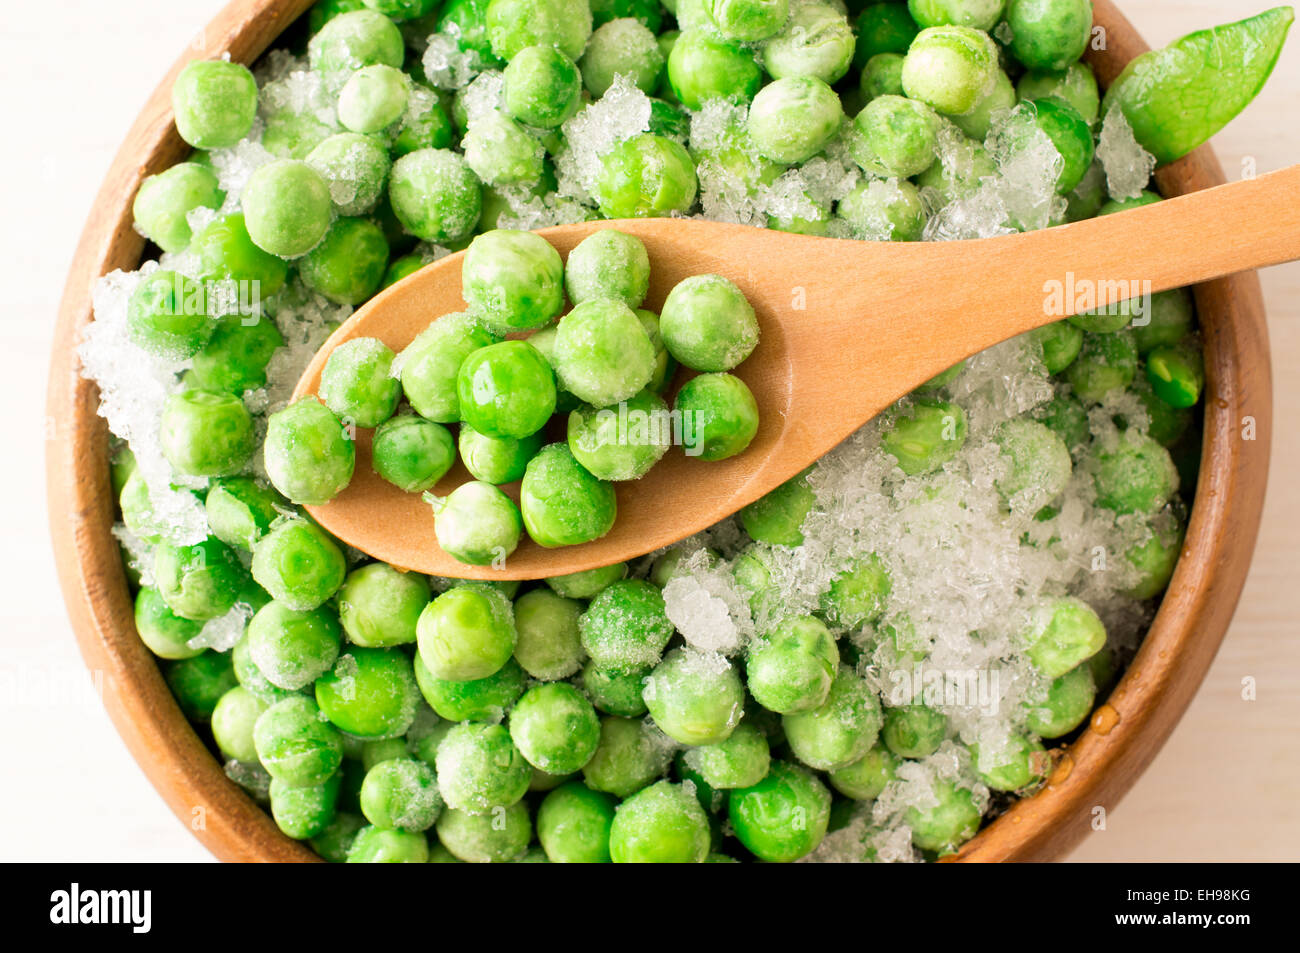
(73, 74)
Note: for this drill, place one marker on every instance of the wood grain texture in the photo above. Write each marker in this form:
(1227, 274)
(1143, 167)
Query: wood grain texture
(848, 328)
(1096, 770)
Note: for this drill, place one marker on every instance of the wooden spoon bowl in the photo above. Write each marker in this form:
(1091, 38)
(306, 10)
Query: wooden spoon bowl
(1094, 771)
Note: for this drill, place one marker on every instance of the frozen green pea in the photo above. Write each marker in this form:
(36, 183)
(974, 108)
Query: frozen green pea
(479, 768)
(309, 454)
(514, 25)
(573, 824)
(644, 177)
(204, 433)
(164, 201)
(723, 416)
(563, 504)
(1077, 85)
(1069, 133)
(866, 778)
(792, 668)
(353, 40)
(948, 822)
(858, 593)
(630, 755)
(885, 210)
(626, 626)
(304, 811)
(608, 264)
(431, 363)
(913, 731)
(435, 195)
(1136, 475)
(1156, 558)
(926, 437)
(377, 845)
(1049, 34)
(165, 633)
(199, 581)
(248, 675)
(882, 76)
(1176, 372)
(401, 794)
(137, 510)
(740, 761)
(883, 28)
(379, 606)
(492, 838)
(542, 87)
(502, 153)
(355, 169)
(776, 517)
(287, 207)
(747, 21)
(555, 728)
(979, 121)
(896, 137)
(1089, 195)
(466, 633)
(662, 824)
(412, 453)
(980, 14)
(199, 683)
(622, 442)
(784, 816)
(622, 47)
(1165, 424)
(224, 250)
(401, 268)
(384, 749)
(602, 352)
(214, 102)
(424, 125)
(950, 68)
(703, 67)
(370, 693)
(234, 359)
(1021, 763)
(232, 724)
(480, 699)
(587, 583)
(1061, 342)
(616, 692)
(337, 838)
(167, 315)
(548, 644)
(373, 98)
(476, 523)
(513, 279)
(1169, 319)
(1114, 206)
(295, 744)
(792, 119)
(400, 11)
(357, 382)
(466, 22)
(707, 323)
(348, 264)
(506, 390)
(1038, 464)
(839, 731)
(1106, 362)
(496, 459)
(293, 648)
(1061, 634)
(1066, 704)
(694, 698)
(816, 40)
(299, 564)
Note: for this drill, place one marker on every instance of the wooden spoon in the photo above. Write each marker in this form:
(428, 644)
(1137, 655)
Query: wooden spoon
(848, 328)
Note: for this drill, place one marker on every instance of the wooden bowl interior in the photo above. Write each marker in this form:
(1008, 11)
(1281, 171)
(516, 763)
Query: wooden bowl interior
(1093, 772)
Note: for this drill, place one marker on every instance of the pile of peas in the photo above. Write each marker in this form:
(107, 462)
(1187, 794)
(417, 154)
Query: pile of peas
(386, 716)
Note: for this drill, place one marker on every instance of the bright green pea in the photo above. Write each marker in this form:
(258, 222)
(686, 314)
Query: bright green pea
(401, 794)
(857, 594)
(401, 268)
(287, 207)
(1001, 97)
(555, 728)
(424, 125)
(514, 25)
(784, 816)
(502, 153)
(232, 724)
(587, 583)
(1176, 374)
(224, 250)
(370, 693)
(1022, 764)
(295, 744)
(702, 67)
(1156, 558)
(293, 648)
(741, 761)
(1089, 196)
(645, 177)
(882, 76)
(476, 523)
(137, 510)
(496, 459)
(165, 633)
(623, 47)
(235, 358)
(573, 824)
(412, 453)
(602, 352)
(480, 699)
(1165, 424)
(747, 21)
(866, 778)
(792, 668)
(925, 438)
(608, 264)
(249, 676)
(302, 812)
(1049, 34)
(375, 845)
(203, 433)
(1061, 342)
(816, 40)
(662, 824)
(1063, 633)
(506, 390)
(839, 731)
(337, 838)
(649, 12)
(164, 200)
(543, 87)
(776, 517)
(384, 749)
(948, 823)
(430, 364)
(626, 627)
(1066, 415)
(623, 442)
(353, 40)
(694, 698)
(299, 564)
(885, 210)
(355, 169)
(435, 195)
(1169, 319)
(309, 455)
(1070, 135)
(630, 756)
(199, 683)
(980, 14)
(167, 315)
(466, 633)
(1038, 464)
(913, 731)
(1115, 206)
(1067, 703)
(1077, 85)
(357, 382)
(491, 838)
(548, 644)
(896, 137)
(707, 323)
(723, 416)
(1137, 475)
(373, 98)
(200, 581)
(479, 768)
(562, 503)
(513, 279)
(348, 264)
(950, 68)
(466, 22)
(1106, 362)
(883, 28)
(792, 119)
(616, 692)
(214, 102)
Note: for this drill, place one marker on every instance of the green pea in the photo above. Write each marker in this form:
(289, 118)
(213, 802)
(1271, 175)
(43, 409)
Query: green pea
(373, 98)
(707, 323)
(792, 119)
(233, 719)
(776, 517)
(703, 67)
(891, 210)
(479, 768)
(616, 692)
(466, 22)
(1176, 373)
(1106, 362)
(250, 677)
(349, 263)
(287, 207)
(401, 268)
(784, 816)
(1063, 633)
(370, 693)
(164, 201)
(946, 824)
(857, 594)
(375, 845)
(883, 28)
(882, 76)
(608, 264)
(353, 40)
(1089, 196)
(355, 169)
(1069, 132)
(295, 744)
(337, 838)
(662, 824)
(587, 583)
(1049, 34)
(401, 794)
(496, 459)
(747, 21)
(626, 626)
(741, 761)
(309, 455)
(839, 731)
(206, 434)
(1038, 464)
(1156, 558)
(950, 68)
(623, 47)
(357, 382)
(1066, 416)
(435, 195)
(816, 40)
(514, 279)
(235, 357)
(384, 749)
(623, 442)
(1077, 85)
(723, 415)
(695, 699)
(506, 390)
(555, 728)
(299, 564)
(573, 824)
(1021, 764)
(649, 12)
(165, 633)
(1067, 703)
(476, 523)
(493, 838)
(645, 177)
(214, 102)
(292, 648)
(466, 633)
(514, 25)
(896, 137)
(913, 731)
(1061, 342)
(424, 125)
(927, 437)
(542, 87)
(380, 606)
(430, 364)
(167, 315)
(1169, 319)
(1115, 206)
(199, 581)
(866, 778)
(548, 644)
(1137, 475)
(304, 811)
(412, 453)
(630, 756)
(199, 683)
(502, 153)
(602, 352)
(224, 250)
(563, 504)
(792, 668)
(1166, 425)
(482, 699)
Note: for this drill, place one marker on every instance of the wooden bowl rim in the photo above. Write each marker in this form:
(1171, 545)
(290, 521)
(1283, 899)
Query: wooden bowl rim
(1093, 772)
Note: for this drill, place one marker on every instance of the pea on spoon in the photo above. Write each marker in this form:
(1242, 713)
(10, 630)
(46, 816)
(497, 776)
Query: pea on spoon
(848, 328)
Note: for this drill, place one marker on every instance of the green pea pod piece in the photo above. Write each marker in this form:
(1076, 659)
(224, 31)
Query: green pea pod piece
(1178, 97)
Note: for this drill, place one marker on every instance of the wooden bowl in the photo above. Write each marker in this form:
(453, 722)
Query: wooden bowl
(1094, 772)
